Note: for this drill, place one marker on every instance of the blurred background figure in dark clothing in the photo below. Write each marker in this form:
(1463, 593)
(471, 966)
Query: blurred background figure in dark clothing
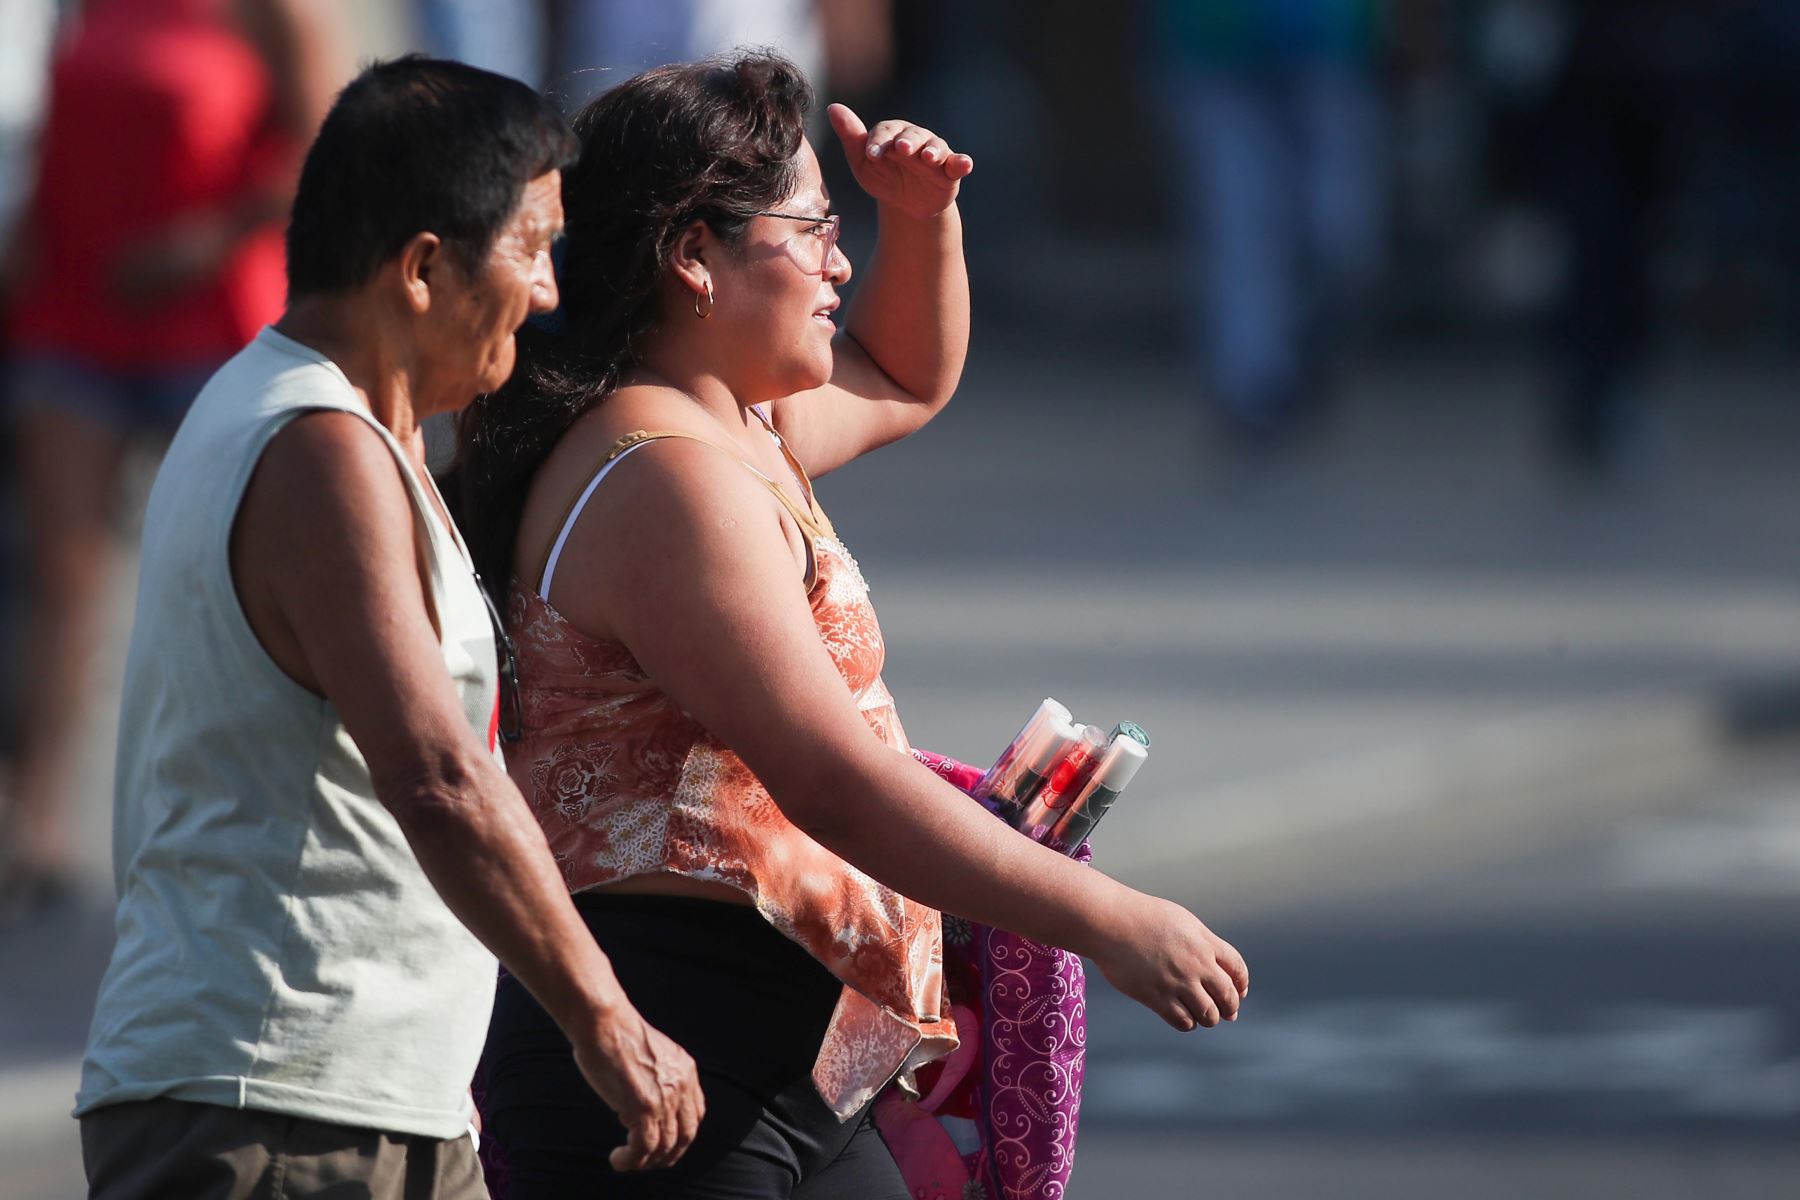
(27, 28)
(1659, 106)
(1605, 137)
(150, 252)
(1278, 190)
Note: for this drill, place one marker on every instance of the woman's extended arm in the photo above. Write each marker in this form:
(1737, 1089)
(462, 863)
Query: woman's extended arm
(907, 333)
(688, 564)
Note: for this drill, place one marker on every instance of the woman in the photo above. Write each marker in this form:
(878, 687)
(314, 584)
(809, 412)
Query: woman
(705, 736)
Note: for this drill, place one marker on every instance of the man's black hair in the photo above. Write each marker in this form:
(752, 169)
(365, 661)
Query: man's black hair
(417, 145)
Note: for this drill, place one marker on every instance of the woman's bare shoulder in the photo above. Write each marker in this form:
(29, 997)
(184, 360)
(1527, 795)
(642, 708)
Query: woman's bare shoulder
(676, 516)
(681, 478)
(585, 447)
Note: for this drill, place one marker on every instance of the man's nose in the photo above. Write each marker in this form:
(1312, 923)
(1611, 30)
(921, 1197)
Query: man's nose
(543, 284)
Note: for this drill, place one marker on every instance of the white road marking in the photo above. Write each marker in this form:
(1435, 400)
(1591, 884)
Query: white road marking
(1749, 850)
(1669, 1060)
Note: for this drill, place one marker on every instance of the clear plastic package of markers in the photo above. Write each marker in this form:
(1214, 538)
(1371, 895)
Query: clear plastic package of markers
(1057, 778)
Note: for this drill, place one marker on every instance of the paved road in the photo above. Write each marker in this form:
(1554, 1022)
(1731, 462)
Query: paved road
(1633, 971)
(1613, 1011)
(1439, 741)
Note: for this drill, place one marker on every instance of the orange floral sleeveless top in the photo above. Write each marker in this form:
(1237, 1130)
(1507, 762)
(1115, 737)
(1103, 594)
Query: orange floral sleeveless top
(625, 783)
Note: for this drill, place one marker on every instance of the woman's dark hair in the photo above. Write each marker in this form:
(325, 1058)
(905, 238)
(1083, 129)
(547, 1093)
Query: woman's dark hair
(416, 145)
(711, 141)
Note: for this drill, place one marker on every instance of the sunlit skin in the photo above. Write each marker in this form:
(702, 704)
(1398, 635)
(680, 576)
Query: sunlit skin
(769, 338)
(424, 336)
(782, 343)
(769, 335)
(472, 323)
(686, 559)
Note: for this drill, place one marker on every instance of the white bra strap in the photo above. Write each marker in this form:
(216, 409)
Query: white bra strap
(562, 537)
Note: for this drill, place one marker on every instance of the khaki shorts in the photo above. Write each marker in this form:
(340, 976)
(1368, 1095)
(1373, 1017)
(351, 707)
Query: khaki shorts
(156, 1149)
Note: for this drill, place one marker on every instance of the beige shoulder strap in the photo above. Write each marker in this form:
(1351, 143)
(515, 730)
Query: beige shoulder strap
(793, 462)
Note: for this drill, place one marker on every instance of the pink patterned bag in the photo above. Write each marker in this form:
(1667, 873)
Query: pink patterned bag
(997, 1119)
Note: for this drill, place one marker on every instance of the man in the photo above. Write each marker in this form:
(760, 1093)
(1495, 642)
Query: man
(309, 799)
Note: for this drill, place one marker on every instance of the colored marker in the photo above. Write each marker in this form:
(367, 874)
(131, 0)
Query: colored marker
(1058, 739)
(1122, 761)
(1001, 780)
(1044, 806)
(1132, 730)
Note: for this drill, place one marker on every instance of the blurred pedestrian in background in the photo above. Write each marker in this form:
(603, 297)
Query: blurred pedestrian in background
(1632, 67)
(1659, 106)
(510, 37)
(314, 839)
(26, 30)
(150, 252)
(1279, 194)
(604, 42)
(600, 43)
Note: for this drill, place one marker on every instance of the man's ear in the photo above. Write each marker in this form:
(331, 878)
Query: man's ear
(422, 255)
(688, 256)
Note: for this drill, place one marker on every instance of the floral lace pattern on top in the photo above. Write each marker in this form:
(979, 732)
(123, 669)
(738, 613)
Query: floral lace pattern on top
(625, 783)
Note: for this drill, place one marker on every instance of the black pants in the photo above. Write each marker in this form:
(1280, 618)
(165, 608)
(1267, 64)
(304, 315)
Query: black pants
(750, 1005)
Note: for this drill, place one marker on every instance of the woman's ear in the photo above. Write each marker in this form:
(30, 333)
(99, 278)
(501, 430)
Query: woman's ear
(689, 256)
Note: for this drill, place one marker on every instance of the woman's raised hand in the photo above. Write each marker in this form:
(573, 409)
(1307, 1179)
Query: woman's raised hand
(1160, 955)
(901, 165)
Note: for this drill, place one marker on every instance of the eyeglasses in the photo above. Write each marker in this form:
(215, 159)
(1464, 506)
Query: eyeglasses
(810, 248)
(512, 712)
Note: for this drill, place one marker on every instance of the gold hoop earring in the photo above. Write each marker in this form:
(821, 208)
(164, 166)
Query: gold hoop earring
(709, 302)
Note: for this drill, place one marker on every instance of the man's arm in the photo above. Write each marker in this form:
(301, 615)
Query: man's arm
(322, 554)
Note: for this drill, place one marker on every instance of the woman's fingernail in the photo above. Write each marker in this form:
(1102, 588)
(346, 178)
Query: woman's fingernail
(875, 150)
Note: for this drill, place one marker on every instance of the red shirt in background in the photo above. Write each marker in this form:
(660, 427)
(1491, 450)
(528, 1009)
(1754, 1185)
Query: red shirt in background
(158, 109)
